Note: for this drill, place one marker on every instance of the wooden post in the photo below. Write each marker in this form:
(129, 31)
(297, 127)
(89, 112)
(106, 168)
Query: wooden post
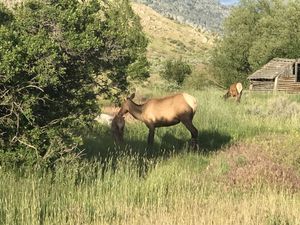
(296, 71)
(275, 83)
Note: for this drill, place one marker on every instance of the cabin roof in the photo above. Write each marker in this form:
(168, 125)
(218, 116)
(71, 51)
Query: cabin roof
(272, 69)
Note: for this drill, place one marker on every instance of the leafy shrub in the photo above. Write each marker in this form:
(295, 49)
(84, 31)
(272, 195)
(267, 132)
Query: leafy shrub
(279, 107)
(283, 107)
(198, 80)
(51, 53)
(139, 70)
(175, 70)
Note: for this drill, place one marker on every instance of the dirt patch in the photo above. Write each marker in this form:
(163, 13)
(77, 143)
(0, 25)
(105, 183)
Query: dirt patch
(248, 165)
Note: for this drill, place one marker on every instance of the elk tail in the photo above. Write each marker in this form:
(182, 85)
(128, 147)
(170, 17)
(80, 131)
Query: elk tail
(191, 101)
(239, 87)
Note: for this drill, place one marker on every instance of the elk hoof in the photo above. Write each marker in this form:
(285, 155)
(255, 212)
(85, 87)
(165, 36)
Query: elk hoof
(193, 144)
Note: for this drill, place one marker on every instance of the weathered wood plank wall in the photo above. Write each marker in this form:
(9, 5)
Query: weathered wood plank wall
(288, 84)
(262, 85)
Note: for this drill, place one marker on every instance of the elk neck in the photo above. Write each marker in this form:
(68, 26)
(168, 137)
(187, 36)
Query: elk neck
(135, 110)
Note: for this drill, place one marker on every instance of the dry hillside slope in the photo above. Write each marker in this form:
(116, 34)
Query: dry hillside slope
(169, 39)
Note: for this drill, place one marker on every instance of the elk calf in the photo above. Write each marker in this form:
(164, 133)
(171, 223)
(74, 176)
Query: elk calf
(235, 90)
(117, 128)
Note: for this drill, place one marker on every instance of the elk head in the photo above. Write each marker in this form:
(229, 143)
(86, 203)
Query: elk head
(125, 106)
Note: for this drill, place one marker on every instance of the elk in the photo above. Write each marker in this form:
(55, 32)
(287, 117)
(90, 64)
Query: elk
(117, 128)
(235, 90)
(163, 112)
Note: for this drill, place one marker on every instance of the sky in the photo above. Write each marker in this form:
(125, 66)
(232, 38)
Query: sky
(228, 2)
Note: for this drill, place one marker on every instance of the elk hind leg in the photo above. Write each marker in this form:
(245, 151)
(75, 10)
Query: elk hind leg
(238, 99)
(193, 130)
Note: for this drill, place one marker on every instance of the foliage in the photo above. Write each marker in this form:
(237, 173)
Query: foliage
(198, 80)
(55, 56)
(139, 70)
(255, 32)
(126, 49)
(176, 70)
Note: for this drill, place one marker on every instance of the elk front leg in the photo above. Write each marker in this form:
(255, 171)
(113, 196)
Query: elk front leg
(226, 95)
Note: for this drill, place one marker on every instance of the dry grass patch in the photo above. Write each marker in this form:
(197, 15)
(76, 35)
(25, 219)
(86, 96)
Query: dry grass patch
(247, 165)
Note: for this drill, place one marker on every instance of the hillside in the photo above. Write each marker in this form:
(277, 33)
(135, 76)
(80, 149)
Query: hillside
(208, 14)
(170, 39)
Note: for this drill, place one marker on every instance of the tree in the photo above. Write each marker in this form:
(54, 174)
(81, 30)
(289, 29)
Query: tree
(176, 70)
(255, 32)
(52, 56)
(126, 48)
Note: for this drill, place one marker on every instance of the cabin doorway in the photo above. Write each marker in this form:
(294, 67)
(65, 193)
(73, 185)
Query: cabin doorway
(297, 72)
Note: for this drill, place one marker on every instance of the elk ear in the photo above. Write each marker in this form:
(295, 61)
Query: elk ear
(131, 96)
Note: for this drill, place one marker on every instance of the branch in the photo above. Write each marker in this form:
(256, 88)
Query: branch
(4, 94)
(28, 145)
(23, 113)
(31, 86)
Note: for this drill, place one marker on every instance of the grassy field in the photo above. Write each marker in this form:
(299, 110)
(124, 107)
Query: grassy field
(246, 171)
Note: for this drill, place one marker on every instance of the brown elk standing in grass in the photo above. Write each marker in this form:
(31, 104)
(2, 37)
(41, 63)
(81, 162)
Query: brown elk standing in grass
(162, 112)
(235, 90)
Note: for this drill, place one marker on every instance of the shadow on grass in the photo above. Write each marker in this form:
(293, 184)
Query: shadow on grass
(99, 145)
(210, 141)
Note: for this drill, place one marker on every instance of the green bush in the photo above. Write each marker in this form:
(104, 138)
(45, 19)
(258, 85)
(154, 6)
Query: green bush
(175, 70)
(51, 53)
(199, 80)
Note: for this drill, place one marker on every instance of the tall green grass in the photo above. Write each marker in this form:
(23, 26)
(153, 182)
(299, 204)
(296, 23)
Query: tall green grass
(176, 191)
(171, 184)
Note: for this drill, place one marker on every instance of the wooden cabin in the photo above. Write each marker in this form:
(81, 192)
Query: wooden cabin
(277, 75)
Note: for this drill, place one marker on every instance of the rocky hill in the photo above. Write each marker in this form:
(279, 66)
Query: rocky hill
(208, 14)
